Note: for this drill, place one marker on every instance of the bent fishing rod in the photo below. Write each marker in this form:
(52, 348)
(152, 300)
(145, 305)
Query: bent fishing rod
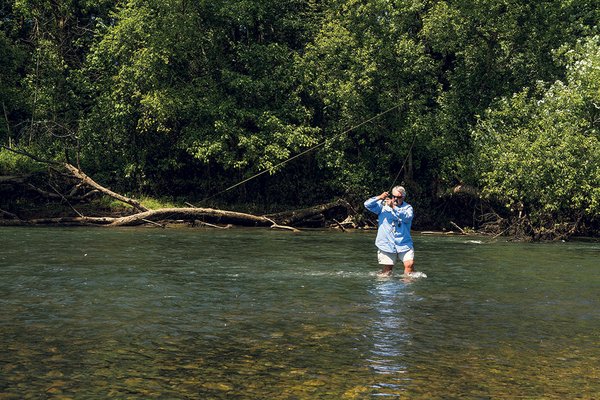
(309, 150)
(405, 160)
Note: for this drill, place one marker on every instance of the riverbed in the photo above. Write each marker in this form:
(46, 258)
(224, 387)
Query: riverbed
(259, 314)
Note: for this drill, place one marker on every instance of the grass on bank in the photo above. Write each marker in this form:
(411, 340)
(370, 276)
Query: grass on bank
(152, 203)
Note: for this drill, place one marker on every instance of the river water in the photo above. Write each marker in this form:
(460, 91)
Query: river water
(257, 314)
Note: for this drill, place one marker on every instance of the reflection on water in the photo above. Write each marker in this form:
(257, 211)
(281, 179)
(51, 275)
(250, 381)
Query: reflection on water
(255, 314)
(390, 337)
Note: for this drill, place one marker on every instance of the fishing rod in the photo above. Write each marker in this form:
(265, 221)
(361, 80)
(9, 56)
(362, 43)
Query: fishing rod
(303, 153)
(405, 160)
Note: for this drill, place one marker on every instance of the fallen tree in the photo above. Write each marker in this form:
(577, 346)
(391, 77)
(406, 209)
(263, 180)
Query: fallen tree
(86, 180)
(74, 181)
(161, 217)
(188, 213)
(162, 214)
(318, 213)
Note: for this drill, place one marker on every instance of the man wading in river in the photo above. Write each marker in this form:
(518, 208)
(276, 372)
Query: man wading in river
(393, 235)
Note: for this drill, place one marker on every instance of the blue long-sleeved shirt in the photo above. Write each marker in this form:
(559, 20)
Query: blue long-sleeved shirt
(393, 234)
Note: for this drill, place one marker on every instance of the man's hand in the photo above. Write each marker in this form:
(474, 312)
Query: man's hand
(387, 199)
(390, 201)
(383, 196)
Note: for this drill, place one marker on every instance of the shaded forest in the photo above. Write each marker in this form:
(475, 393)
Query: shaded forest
(487, 112)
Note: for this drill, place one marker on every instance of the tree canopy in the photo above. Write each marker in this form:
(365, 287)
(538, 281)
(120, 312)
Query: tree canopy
(183, 99)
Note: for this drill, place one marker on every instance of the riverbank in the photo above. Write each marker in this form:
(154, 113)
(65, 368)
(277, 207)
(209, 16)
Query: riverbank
(104, 212)
(75, 199)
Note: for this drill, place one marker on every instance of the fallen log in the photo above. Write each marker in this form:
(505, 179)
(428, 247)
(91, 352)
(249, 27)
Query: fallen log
(274, 225)
(192, 214)
(284, 228)
(81, 220)
(163, 214)
(275, 221)
(297, 216)
(462, 231)
(90, 182)
(339, 224)
(202, 223)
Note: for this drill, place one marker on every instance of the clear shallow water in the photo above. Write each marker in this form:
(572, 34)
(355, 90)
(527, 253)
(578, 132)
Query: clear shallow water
(259, 314)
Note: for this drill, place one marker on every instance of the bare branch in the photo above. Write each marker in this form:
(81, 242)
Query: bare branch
(90, 182)
(32, 156)
(8, 214)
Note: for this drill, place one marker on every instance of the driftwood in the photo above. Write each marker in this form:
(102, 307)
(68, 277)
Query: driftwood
(274, 225)
(284, 227)
(462, 231)
(193, 213)
(158, 217)
(339, 224)
(163, 214)
(202, 223)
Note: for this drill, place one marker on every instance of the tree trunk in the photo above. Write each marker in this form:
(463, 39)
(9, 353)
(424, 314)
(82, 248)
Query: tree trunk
(192, 214)
(275, 221)
(90, 182)
(297, 216)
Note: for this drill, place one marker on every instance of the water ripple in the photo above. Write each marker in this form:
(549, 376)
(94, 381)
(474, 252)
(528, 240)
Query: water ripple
(179, 314)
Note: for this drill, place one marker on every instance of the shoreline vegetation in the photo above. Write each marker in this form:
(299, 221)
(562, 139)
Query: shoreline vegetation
(251, 112)
(319, 217)
(84, 202)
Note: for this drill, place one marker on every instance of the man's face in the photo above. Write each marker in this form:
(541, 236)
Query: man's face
(397, 197)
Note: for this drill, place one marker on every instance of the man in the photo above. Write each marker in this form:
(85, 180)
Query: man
(393, 235)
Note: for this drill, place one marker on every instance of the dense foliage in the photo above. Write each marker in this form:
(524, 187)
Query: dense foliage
(539, 150)
(184, 98)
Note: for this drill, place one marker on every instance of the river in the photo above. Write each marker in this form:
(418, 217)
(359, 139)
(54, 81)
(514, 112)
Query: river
(146, 313)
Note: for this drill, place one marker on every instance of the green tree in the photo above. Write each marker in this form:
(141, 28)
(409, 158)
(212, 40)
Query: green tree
(198, 88)
(442, 63)
(181, 97)
(11, 104)
(366, 59)
(539, 150)
(487, 50)
(46, 43)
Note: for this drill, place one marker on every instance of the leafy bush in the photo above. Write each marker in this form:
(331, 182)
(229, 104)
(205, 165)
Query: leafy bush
(12, 163)
(539, 150)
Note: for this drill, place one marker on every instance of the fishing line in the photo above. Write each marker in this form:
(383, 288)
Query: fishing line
(301, 154)
(405, 160)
